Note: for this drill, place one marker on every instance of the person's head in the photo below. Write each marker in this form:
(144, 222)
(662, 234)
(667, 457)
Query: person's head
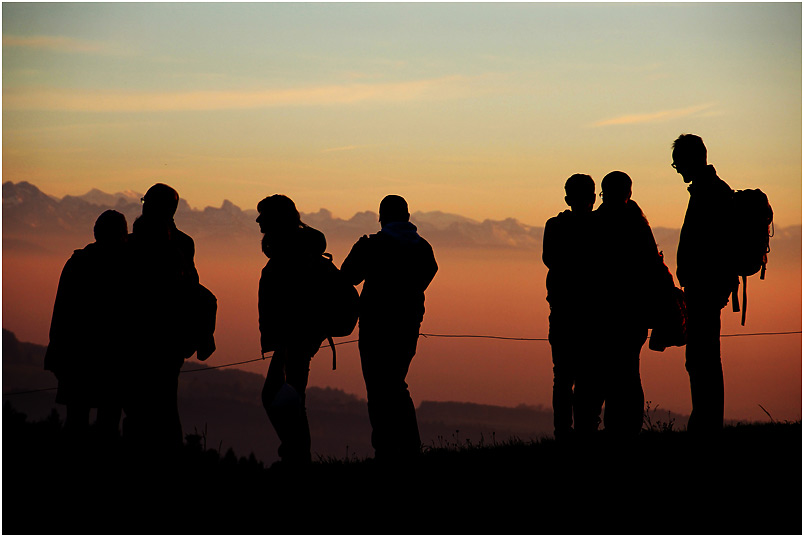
(160, 201)
(616, 188)
(278, 217)
(580, 190)
(689, 156)
(110, 227)
(393, 208)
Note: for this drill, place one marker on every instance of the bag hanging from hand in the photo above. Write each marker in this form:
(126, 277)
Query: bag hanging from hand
(669, 327)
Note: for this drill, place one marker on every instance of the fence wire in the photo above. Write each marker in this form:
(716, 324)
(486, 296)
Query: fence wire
(424, 335)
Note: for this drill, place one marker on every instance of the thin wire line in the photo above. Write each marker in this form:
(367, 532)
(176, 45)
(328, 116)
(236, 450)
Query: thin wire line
(485, 337)
(761, 334)
(476, 336)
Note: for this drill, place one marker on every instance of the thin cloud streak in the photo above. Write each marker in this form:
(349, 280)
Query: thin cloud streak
(344, 148)
(52, 43)
(122, 101)
(655, 117)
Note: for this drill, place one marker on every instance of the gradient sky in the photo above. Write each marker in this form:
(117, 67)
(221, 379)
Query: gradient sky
(472, 108)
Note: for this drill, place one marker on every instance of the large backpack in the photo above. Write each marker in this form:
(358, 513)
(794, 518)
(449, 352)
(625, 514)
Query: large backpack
(753, 229)
(338, 316)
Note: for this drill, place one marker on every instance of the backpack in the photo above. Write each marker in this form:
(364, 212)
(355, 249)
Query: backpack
(204, 313)
(753, 221)
(338, 316)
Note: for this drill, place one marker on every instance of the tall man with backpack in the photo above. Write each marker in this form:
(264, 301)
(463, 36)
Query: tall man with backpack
(706, 270)
(397, 265)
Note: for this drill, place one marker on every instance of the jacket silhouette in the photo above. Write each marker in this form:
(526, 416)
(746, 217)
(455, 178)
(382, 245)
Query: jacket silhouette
(287, 289)
(89, 327)
(396, 266)
(705, 246)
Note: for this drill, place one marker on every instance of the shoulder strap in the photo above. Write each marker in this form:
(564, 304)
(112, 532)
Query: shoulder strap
(332, 346)
(745, 298)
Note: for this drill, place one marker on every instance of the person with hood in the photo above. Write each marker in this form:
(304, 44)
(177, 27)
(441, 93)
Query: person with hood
(396, 266)
(629, 272)
(567, 253)
(287, 297)
(88, 327)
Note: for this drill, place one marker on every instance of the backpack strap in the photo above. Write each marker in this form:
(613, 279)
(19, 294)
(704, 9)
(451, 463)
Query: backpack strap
(332, 345)
(745, 298)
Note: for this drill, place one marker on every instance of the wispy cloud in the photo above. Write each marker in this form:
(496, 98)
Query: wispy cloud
(344, 148)
(126, 101)
(654, 117)
(52, 43)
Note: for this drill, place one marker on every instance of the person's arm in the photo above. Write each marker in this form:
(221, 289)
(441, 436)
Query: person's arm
(354, 266)
(430, 268)
(61, 324)
(548, 244)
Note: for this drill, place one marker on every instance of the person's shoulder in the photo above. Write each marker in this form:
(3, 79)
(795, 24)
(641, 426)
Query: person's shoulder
(367, 241)
(83, 255)
(181, 236)
(314, 241)
(425, 244)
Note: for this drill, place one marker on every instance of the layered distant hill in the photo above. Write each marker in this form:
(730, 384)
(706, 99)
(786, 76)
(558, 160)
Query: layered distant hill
(224, 406)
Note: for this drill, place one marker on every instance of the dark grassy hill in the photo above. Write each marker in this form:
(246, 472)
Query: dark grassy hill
(224, 406)
(745, 481)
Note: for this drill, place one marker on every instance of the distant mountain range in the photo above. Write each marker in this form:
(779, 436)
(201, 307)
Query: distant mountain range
(30, 215)
(28, 210)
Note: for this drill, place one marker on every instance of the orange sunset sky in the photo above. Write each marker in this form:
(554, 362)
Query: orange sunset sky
(477, 109)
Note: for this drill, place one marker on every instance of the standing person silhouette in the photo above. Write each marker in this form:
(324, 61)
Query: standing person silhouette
(286, 296)
(164, 287)
(629, 263)
(567, 247)
(397, 265)
(87, 329)
(705, 270)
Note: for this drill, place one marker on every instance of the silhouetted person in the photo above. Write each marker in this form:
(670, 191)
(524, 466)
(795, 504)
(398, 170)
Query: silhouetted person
(88, 328)
(628, 280)
(397, 266)
(163, 291)
(706, 272)
(287, 301)
(567, 253)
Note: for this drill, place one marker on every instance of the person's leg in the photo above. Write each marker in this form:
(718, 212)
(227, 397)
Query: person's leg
(625, 399)
(385, 361)
(283, 397)
(563, 373)
(297, 372)
(705, 367)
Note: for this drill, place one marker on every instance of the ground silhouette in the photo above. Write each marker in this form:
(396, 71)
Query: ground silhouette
(665, 482)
